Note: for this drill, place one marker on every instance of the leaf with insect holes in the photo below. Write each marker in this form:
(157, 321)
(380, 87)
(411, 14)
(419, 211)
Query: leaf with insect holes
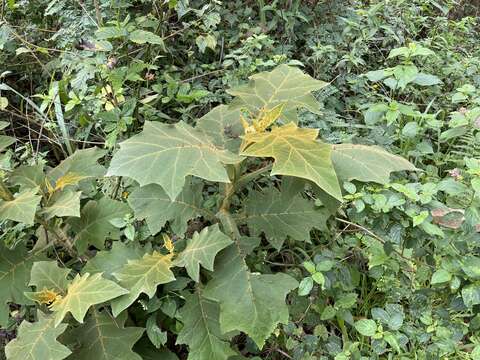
(84, 291)
(156, 207)
(165, 154)
(296, 153)
(367, 163)
(284, 84)
(201, 329)
(38, 341)
(142, 276)
(103, 337)
(202, 249)
(22, 208)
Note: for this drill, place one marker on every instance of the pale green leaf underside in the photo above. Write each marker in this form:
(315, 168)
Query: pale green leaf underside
(22, 208)
(202, 249)
(142, 276)
(94, 226)
(47, 274)
(165, 154)
(201, 330)
(84, 291)
(285, 84)
(103, 337)
(252, 303)
(366, 163)
(28, 176)
(156, 207)
(38, 341)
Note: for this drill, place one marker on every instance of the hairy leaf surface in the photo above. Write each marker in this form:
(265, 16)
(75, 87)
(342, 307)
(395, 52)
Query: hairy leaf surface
(103, 337)
(94, 226)
(201, 329)
(165, 154)
(84, 291)
(296, 153)
(249, 302)
(156, 207)
(22, 208)
(366, 163)
(202, 249)
(62, 204)
(47, 274)
(285, 84)
(142, 276)
(15, 268)
(38, 341)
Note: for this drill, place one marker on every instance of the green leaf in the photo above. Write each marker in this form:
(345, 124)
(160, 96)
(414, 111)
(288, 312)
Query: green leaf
(154, 333)
(15, 268)
(155, 206)
(103, 337)
(142, 276)
(318, 278)
(283, 213)
(84, 291)
(47, 274)
(223, 126)
(81, 163)
(110, 32)
(366, 327)
(426, 80)
(6, 141)
(22, 208)
(285, 84)
(296, 153)
(142, 37)
(38, 341)
(110, 261)
(305, 286)
(62, 204)
(247, 299)
(471, 295)
(28, 176)
(202, 249)
(94, 226)
(201, 329)
(367, 163)
(179, 150)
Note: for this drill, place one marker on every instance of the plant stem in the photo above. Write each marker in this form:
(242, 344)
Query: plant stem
(245, 179)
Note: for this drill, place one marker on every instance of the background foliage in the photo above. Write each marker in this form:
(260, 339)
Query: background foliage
(392, 273)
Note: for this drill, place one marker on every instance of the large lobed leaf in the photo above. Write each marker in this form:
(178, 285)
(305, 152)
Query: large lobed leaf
(103, 337)
(84, 291)
(94, 226)
(283, 213)
(202, 249)
(366, 163)
(285, 84)
(296, 153)
(142, 276)
(22, 208)
(249, 302)
(38, 341)
(15, 268)
(165, 154)
(156, 207)
(201, 330)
